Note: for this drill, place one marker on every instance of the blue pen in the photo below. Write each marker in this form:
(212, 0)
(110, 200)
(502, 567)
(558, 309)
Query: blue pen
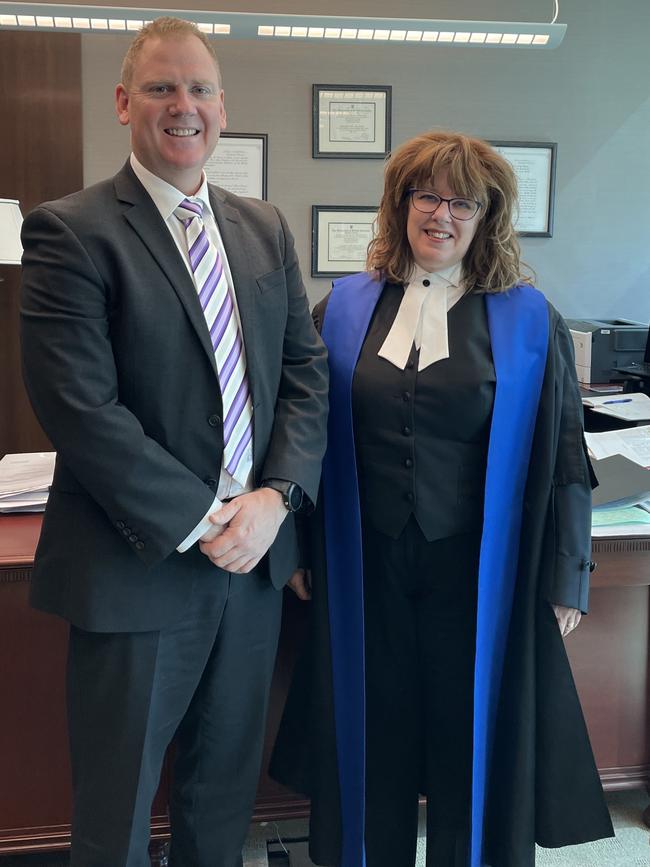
(621, 400)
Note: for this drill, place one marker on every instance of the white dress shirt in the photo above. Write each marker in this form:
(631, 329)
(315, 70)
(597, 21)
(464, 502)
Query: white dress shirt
(167, 198)
(422, 317)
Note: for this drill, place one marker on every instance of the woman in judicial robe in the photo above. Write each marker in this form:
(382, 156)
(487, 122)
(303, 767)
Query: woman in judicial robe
(450, 549)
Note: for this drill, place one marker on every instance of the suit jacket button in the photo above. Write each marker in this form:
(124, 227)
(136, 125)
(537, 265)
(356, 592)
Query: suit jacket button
(408, 463)
(213, 484)
(214, 420)
(120, 525)
(126, 531)
(133, 538)
(406, 430)
(139, 545)
(409, 497)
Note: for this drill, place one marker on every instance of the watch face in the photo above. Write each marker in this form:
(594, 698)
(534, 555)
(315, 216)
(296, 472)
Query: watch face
(294, 497)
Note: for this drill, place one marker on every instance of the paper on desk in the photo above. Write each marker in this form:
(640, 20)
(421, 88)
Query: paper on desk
(629, 407)
(29, 472)
(632, 443)
(620, 530)
(25, 481)
(622, 483)
(35, 502)
(609, 517)
(634, 521)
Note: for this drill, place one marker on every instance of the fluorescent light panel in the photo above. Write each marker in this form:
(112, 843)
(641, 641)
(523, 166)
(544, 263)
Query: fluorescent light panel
(248, 25)
(445, 36)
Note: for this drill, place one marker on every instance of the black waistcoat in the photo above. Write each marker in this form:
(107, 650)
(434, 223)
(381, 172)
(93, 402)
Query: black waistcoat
(422, 437)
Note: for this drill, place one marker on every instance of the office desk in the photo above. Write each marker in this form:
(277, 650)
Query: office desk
(35, 795)
(608, 652)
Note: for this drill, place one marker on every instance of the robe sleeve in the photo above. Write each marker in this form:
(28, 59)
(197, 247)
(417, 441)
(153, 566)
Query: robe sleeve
(572, 479)
(305, 521)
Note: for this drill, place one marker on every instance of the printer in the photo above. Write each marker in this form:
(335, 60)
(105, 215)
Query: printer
(600, 345)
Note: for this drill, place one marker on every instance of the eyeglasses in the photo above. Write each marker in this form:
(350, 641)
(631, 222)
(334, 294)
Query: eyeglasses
(428, 203)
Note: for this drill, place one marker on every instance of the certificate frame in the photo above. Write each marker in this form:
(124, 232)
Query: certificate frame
(351, 121)
(239, 164)
(534, 165)
(330, 221)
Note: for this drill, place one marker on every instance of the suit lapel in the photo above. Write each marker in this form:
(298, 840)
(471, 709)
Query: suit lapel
(245, 285)
(144, 218)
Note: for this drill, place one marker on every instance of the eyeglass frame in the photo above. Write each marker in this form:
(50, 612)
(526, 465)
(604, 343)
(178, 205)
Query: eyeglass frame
(412, 190)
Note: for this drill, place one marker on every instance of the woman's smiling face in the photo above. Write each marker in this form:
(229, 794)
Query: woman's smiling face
(438, 241)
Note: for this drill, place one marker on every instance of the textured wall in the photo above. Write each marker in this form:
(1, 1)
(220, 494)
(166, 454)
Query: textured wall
(591, 96)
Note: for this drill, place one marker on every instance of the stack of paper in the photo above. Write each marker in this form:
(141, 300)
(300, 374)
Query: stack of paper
(621, 483)
(629, 407)
(632, 443)
(621, 502)
(634, 521)
(25, 481)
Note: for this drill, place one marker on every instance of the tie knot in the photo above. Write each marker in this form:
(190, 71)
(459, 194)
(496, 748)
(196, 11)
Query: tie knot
(187, 210)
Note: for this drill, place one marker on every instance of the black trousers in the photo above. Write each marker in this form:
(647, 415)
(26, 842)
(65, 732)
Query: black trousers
(204, 680)
(420, 627)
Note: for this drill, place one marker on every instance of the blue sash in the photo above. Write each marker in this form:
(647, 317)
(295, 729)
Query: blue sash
(518, 325)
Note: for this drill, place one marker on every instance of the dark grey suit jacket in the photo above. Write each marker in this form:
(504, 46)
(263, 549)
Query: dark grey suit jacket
(120, 370)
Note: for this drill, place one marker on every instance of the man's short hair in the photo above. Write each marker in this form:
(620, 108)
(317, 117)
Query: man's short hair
(163, 28)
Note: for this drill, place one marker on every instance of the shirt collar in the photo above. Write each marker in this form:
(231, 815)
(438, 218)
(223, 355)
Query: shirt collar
(166, 197)
(447, 277)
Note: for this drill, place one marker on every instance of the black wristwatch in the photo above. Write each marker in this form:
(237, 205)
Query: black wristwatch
(292, 494)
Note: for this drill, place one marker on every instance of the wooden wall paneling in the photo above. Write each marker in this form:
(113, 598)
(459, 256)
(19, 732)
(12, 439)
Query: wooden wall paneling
(19, 430)
(41, 104)
(40, 159)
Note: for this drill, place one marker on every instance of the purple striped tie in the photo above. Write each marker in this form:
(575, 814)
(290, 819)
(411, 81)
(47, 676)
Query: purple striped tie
(217, 304)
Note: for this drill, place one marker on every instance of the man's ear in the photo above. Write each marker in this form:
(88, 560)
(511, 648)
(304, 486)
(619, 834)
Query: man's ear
(122, 104)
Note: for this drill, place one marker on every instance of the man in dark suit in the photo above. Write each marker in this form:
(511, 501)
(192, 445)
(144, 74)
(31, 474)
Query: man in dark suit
(170, 356)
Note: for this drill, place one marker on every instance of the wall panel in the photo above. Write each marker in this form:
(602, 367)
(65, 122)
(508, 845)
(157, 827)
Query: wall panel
(40, 159)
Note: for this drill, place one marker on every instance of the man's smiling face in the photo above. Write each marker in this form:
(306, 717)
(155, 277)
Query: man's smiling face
(174, 106)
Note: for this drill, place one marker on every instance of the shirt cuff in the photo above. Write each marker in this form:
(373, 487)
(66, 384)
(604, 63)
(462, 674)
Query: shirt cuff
(202, 527)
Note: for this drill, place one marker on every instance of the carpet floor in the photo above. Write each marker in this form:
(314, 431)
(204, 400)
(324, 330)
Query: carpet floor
(630, 847)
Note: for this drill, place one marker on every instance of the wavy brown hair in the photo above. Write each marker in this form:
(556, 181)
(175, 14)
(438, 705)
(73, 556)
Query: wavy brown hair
(475, 170)
(165, 27)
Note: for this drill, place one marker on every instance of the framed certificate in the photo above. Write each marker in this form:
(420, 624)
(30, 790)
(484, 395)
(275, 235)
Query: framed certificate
(534, 165)
(339, 238)
(239, 164)
(351, 121)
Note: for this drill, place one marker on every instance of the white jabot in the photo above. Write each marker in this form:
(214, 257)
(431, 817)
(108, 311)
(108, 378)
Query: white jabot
(422, 317)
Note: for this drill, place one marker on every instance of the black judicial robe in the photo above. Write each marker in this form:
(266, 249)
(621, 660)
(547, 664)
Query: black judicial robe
(542, 785)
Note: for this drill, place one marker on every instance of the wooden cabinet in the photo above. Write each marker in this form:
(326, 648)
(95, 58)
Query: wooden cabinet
(609, 657)
(35, 793)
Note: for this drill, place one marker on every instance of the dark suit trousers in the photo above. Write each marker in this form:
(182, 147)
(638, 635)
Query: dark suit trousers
(420, 613)
(204, 680)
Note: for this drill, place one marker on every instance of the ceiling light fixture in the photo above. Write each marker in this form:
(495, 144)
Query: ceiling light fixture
(251, 25)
